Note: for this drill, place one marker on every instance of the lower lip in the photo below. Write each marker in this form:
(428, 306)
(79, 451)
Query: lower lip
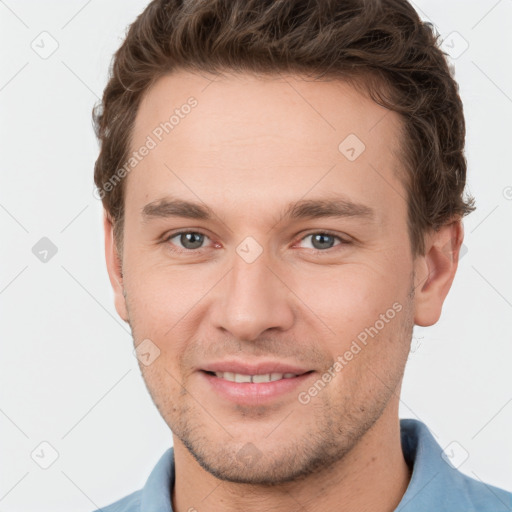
(249, 393)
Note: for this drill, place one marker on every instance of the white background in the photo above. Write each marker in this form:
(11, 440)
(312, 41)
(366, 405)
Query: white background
(68, 374)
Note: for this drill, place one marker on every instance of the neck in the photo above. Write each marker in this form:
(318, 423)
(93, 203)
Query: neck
(372, 476)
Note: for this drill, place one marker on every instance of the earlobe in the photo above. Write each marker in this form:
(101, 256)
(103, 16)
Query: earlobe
(114, 268)
(435, 272)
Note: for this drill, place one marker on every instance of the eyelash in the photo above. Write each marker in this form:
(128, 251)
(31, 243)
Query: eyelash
(342, 241)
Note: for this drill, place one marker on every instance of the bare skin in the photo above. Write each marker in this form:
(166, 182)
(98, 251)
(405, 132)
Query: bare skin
(251, 147)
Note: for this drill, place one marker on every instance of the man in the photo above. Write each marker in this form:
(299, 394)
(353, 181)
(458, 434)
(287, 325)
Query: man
(283, 191)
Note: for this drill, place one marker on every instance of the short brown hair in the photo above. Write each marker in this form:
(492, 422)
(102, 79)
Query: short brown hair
(381, 45)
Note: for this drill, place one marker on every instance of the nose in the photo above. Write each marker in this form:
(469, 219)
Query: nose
(251, 299)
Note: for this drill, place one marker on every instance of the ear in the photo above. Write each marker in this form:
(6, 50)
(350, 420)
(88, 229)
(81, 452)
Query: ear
(435, 271)
(114, 268)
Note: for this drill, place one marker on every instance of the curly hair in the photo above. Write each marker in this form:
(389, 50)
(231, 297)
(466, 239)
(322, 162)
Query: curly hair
(380, 46)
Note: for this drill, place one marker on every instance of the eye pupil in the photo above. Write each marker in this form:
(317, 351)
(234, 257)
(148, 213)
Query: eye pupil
(191, 240)
(321, 239)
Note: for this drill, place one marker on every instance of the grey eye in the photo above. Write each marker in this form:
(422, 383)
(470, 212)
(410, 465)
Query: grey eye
(321, 241)
(190, 239)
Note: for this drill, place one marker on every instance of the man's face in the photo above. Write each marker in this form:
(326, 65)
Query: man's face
(254, 283)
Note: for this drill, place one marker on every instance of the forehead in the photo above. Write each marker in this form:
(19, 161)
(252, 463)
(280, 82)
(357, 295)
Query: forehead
(268, 140)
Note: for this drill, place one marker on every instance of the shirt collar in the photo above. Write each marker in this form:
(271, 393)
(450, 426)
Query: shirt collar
(436, 484)
(156, 494)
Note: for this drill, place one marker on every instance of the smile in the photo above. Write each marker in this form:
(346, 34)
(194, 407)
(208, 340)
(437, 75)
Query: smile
(257, 389)
(264, 377)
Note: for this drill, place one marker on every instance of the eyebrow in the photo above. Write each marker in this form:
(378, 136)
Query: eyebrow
(302, 209)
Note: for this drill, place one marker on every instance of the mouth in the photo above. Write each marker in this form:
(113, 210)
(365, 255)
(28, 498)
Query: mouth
(255, 379)
(253, 389)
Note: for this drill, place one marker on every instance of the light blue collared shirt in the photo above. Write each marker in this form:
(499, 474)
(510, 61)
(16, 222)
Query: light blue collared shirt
(435, 485)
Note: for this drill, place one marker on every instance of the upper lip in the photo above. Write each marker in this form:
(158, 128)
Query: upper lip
(254, 368)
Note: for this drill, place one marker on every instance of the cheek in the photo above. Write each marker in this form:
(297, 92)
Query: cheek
(350, 297)
(157, 288)
(164, 302)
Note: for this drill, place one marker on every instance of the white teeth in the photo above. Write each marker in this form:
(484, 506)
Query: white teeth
(266, 377)
(242, 378)
(228, 376)
(260, 378)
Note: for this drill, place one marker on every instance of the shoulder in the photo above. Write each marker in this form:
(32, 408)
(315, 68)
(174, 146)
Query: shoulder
(130, 503)
(480, 496)
(156, 493)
